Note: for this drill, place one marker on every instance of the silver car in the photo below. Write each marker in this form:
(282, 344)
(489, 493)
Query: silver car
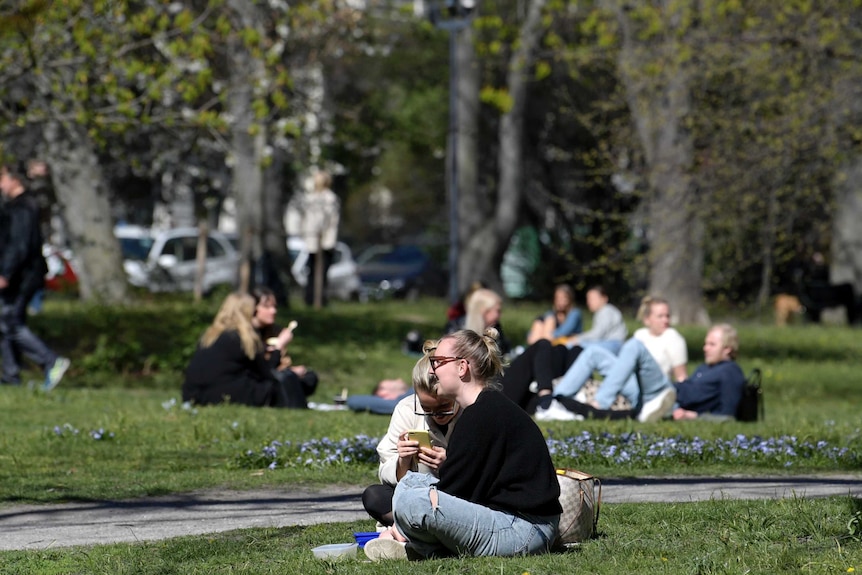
(166, 260)
(342, 277)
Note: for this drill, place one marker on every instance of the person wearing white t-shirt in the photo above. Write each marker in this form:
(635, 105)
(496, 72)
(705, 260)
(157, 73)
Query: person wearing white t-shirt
(663, 342)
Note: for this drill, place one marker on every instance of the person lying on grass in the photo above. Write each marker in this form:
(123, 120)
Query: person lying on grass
(498, 493)
(422, 410)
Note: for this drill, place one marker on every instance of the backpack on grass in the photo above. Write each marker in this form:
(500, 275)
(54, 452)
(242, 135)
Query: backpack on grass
(750, 407)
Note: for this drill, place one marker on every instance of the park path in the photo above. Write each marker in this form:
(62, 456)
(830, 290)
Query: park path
(154, 518)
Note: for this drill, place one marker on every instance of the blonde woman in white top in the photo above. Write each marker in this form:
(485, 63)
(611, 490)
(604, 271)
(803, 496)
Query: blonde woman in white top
(663, 342)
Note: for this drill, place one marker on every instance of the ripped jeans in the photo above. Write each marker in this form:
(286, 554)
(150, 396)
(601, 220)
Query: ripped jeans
(456, 526)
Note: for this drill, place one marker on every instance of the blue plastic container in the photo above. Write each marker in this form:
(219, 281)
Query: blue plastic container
(363, 537)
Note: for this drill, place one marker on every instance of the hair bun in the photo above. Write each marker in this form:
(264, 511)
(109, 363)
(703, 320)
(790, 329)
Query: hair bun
(492, 333)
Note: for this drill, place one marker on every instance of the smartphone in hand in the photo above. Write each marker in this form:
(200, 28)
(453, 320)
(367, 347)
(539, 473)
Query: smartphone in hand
(420, 435)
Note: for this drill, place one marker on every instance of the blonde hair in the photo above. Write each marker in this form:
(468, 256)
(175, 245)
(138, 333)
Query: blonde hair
(322, 181)
(423, 378)
(482, 351)
(478, 303)
(646, 306)
(235, 314)
(729, 337)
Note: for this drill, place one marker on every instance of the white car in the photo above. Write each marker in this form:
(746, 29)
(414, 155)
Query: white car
(342, 277)
(166, 260)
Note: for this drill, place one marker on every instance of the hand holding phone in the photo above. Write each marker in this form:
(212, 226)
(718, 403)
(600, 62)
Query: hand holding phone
(420, 435)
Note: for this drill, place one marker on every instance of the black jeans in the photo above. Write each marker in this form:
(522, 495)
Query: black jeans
(17, 339)
(327, 256)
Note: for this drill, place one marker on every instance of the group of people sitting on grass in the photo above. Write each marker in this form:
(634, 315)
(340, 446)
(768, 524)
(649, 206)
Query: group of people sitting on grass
(439, 499)
(242, 357)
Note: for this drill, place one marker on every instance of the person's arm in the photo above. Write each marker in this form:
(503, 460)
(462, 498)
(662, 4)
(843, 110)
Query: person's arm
(402, 420)
(571, 325)
(677, 351)
(605, 321)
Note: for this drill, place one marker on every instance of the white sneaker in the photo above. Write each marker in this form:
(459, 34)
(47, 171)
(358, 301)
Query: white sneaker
(658, 406)
(383, 549)
(556, 412)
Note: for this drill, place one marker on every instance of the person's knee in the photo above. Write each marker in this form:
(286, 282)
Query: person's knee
(413, 506)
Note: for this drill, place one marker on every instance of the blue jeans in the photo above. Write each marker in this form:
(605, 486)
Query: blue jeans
(456, 526)
(374, 404)
(596, 358)
(634, 373)
(610, 345)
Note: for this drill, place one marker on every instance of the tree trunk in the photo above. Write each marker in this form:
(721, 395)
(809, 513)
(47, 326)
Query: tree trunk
(659, 103)
(247, 139)
(274, 237)
(472, 211)
(846, 260)
(83, 197)
(480, 260)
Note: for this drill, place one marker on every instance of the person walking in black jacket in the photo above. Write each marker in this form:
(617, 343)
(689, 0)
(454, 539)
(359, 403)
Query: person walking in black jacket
(22, 273)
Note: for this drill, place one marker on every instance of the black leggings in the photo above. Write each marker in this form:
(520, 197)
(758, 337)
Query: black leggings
(542, 362)
(377, 500)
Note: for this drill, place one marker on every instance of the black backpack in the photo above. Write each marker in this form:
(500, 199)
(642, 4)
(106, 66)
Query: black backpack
(750, 407)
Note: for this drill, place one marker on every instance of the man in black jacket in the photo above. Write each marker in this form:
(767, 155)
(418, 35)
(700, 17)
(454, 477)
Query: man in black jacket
(22, 273)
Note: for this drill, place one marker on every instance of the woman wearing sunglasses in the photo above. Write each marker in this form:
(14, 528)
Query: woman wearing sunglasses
(422, 410)
(498, 493)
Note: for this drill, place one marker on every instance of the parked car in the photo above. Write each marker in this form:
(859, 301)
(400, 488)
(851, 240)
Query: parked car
(166, 260)
(401, 271)
(61, 275)
(342, 277)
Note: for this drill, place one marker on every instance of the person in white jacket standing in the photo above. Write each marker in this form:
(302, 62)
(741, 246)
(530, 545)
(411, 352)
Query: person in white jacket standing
(422, 410)
(321, 212)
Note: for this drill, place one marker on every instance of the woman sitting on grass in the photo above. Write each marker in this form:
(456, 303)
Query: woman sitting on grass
(298, 381)
(484, 309)
(498, 493)
(557, 324)
(423, 410)
(230, 361)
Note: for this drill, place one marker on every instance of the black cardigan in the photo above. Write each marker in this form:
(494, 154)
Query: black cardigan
(223, 370)
(497, 457)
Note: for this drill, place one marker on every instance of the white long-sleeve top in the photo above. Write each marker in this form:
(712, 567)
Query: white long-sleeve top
(404, 419)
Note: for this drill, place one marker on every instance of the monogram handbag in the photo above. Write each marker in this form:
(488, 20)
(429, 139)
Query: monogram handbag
(580, 498)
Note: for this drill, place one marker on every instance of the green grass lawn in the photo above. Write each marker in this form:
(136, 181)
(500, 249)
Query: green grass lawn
(711, 537)
(115, 429)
